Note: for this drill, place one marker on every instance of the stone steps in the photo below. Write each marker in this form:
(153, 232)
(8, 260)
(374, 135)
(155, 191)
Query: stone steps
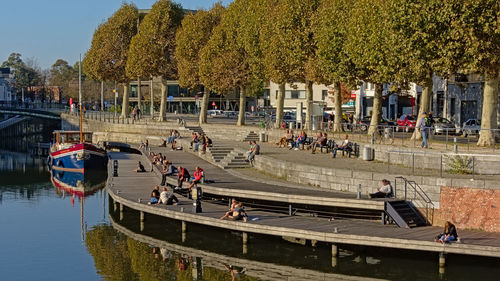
(252, 136)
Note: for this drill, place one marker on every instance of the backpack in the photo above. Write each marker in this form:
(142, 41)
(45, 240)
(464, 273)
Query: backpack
(427, 122)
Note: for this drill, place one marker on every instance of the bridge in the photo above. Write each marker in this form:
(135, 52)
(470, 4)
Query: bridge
(38, 110)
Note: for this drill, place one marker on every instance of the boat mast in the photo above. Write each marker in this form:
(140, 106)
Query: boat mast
(80, 95)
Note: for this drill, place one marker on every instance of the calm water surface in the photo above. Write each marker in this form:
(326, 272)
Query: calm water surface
(47, 234)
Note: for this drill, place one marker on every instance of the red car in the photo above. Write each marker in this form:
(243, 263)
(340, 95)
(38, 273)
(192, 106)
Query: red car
(406, 123)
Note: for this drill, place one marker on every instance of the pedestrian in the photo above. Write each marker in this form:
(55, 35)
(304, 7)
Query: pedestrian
(423, 126)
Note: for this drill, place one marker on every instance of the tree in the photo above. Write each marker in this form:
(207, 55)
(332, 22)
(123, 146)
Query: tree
(25, 75)
(333, 65)
(422, 30)
(288, 46)
(152, 49)
(61, 74)
(195, 31)
(372, 48)
(107, 58)
(477, 24)
(224, 61)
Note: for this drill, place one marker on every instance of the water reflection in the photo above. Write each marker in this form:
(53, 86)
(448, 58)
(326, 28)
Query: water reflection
(78, 184)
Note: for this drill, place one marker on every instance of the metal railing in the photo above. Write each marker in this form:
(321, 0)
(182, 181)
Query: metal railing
(419, 196)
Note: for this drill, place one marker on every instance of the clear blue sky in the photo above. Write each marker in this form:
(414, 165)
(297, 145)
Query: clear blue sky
(51, 29)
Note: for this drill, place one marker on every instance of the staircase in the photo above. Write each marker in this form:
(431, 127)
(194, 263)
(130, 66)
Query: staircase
(226, 157)
(252, 136)
(404, 214)
(196, 129)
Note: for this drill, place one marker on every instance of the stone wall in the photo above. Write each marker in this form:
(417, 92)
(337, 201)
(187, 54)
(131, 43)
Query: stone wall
(470, 208)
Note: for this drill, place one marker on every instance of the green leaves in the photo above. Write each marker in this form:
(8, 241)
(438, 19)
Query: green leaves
(107, 56)
(191, 37)
(152, 49)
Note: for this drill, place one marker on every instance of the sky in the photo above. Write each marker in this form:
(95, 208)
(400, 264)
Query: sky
(47, 30)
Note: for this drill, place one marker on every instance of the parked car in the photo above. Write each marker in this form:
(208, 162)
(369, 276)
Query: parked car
(364, 123)
(215, 112)
(406, 122)
(471, 127)
(443, 125)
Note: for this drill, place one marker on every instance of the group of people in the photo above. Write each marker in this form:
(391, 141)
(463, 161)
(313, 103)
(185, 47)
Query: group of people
(198, 139)
(321, 141)
(136, 113)
(163, 197)
(236, 212)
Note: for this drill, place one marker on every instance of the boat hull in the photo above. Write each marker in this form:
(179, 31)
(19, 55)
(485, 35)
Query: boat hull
(78, 158)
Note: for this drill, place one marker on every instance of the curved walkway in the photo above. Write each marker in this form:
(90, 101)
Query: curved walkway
(129, 187)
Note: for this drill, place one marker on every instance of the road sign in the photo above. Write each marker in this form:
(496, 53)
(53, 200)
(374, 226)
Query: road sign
(170, 98)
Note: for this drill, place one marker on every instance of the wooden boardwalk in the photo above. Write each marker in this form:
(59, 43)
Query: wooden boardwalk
(133, 190)
(227, 184)
(257, 269)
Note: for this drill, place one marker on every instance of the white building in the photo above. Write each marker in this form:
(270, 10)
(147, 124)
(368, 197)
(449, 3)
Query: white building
(5, 88)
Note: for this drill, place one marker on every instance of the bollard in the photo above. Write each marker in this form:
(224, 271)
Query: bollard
(358, 194)
(455, 146)
(196, 195)
(115, 168)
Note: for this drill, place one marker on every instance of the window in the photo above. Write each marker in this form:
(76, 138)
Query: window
(295, 94)
(324, 94)
(452, 107)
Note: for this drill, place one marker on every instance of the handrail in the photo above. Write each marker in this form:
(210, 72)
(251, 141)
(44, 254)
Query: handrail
(421, 193)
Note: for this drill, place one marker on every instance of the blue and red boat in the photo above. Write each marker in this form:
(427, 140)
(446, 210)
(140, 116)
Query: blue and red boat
(69, 154)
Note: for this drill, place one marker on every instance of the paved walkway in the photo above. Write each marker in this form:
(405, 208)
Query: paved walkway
(129, 187)
(319, 159)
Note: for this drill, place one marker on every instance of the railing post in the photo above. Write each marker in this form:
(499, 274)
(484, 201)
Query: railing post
(406, 187)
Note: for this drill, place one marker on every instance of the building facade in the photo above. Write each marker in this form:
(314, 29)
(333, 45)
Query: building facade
(6, 90)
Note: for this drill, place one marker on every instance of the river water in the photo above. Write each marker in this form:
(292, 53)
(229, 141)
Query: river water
(46, 233)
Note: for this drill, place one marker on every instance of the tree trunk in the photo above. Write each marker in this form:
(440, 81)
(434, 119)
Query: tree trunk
(152, 108)
(279, 105)
(425, 100)
(125, 101)
(204, 106)
(102, 96)
(163, 102)
(377, 110)
(337, 126)
(139, 95)
(243, 101)
(309, 99)
(490, 107)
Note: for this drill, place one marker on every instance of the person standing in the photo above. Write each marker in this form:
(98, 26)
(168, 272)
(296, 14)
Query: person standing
(424, 126)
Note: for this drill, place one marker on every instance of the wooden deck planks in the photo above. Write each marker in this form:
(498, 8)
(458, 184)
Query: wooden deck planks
(139, 185)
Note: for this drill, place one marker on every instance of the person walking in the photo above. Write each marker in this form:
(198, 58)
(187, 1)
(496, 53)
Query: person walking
(424, 125)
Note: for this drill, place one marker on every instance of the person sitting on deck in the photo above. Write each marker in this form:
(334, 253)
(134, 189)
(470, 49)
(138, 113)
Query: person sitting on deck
(343, 146)
(384, 191)
(155, 196)
(140, 168)
(198, 175)
(167, 198)
(233, 206)
(182, 176)
(449, 234)
(168, 170)
(239, 213)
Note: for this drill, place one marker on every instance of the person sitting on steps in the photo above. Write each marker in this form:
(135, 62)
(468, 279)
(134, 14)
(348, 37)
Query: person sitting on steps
(384, 191)
(155, 196)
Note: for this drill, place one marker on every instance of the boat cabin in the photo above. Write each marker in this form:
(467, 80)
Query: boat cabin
(71, 137)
